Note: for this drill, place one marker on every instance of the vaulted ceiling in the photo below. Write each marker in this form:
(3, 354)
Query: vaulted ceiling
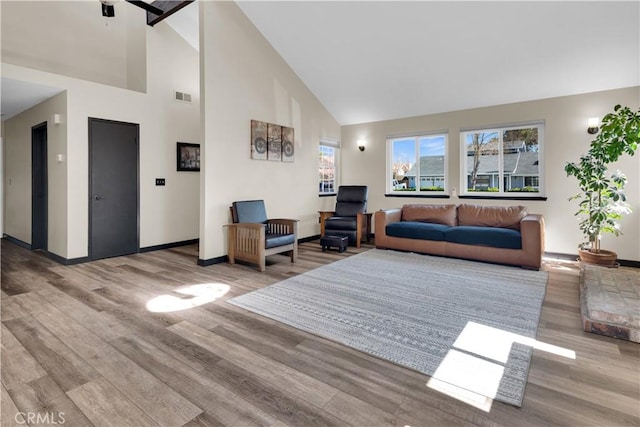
(370, 61)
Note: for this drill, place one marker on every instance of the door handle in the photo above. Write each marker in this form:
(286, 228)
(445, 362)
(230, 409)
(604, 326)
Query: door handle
(97, 197)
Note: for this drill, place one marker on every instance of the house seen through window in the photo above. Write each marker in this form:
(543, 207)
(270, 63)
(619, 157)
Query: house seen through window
(327, 166)
(417, 164)
(502, 161)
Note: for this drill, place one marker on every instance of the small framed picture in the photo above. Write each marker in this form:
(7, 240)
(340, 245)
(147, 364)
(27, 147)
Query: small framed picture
(188, 157)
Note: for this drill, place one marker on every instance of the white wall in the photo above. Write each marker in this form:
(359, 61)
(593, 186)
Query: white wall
(2, 184)
(170, 213)
(244, 78)
(167, 214)
(72, 38)
(2, 169)
(17, 176)
(566, 139)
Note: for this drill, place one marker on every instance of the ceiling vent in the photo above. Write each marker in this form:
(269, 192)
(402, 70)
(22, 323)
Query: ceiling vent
(184, 97)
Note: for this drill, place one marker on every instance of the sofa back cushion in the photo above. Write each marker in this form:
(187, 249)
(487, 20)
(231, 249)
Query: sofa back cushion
(491, 216)
(436, 214)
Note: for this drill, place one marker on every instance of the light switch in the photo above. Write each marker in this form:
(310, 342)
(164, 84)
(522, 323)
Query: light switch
(160, 181)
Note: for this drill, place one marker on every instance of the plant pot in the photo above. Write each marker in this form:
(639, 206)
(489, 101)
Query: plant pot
(603, 258)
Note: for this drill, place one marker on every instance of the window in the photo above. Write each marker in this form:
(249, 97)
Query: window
(327, 166)
(417, 164)
(502, 161)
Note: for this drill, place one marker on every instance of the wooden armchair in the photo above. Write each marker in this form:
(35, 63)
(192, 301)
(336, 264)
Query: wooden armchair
(252, 236)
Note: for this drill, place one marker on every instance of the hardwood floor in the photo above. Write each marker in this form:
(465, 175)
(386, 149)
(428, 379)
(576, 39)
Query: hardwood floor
(79, 341)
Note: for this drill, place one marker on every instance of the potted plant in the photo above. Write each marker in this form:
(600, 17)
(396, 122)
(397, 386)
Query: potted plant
(602, 198)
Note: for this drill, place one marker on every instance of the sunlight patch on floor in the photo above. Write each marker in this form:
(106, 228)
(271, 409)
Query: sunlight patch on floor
(200, 294)
(465, 396)
(495, 344)
(472, 370)
(560, 264)
(470, 379)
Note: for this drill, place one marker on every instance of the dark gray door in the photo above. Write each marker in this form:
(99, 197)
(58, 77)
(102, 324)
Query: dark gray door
(39, 187)
(113, 188)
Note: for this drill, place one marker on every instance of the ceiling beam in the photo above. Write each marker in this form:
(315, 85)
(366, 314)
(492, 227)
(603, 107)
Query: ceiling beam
(168, 7)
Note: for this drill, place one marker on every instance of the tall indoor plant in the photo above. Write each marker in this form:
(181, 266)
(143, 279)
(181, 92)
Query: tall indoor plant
(602, 198)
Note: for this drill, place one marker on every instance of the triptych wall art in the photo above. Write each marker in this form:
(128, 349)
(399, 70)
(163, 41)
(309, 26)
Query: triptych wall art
(271, 142)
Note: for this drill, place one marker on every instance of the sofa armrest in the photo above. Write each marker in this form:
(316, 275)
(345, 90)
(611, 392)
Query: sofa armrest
(384, 217)
(532, 232)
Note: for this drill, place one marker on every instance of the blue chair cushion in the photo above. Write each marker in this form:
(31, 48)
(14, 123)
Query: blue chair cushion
(487, 236)
(274, 240)
(417, 230)
(250, 211)
(340, 223)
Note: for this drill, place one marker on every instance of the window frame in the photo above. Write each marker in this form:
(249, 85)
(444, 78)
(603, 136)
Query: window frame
(335, 146)
(389, 187)
(500, 129)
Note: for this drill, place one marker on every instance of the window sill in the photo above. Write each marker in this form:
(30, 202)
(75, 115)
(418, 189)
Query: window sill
(501, 197)
(419, 195)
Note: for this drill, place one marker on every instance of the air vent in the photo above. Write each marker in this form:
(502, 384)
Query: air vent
(184, 97)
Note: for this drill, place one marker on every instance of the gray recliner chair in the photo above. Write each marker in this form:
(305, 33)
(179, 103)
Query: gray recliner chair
(348, 219)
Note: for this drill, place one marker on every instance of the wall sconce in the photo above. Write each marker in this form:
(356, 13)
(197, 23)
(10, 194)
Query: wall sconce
(361, 144)
(593, 125)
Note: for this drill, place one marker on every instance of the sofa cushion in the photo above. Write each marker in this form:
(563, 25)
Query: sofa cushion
(486, 236)
(437, 214)
(417, 230)
(491, 216)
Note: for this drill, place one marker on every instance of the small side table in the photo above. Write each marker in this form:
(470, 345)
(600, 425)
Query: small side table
(339, 242)
(368, 226)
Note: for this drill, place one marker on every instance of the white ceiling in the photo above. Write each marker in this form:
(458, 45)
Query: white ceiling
(370, 61)
(185, 22)
(18, 96)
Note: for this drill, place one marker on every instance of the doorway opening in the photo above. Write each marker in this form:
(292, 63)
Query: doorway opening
(39, 188)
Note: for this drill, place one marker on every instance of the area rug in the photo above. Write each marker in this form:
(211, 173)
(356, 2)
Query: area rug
(461, 322)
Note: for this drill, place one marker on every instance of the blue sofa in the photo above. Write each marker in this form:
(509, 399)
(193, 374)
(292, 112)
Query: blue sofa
(499, 234)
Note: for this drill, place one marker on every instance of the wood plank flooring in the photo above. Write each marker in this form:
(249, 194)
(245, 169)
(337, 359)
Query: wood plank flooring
(79, 340)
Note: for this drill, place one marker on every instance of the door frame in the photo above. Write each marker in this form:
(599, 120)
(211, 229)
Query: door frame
(39, 175)
(90, 186)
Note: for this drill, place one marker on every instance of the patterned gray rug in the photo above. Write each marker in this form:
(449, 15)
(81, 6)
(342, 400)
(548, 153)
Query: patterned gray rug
(466, 324)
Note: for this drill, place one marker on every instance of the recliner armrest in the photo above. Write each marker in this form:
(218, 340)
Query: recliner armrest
(323, 216)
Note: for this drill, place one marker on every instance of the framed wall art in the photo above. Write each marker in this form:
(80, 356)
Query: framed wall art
(288, 146)
(274, 139)
(258, 140)
(188, 157)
